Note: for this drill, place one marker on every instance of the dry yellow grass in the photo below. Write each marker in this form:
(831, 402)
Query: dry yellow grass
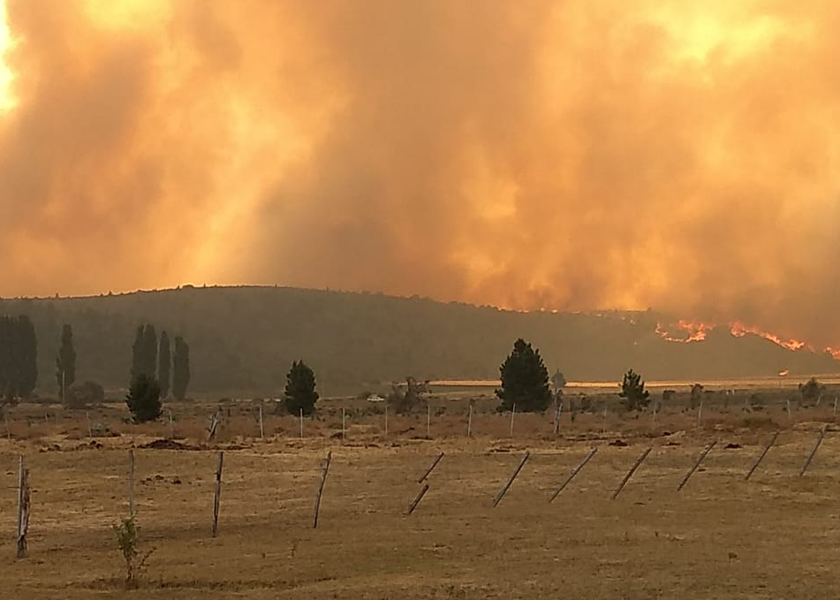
(721, 537)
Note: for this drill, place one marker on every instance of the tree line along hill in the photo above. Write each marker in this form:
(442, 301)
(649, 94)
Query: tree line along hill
(243, 339)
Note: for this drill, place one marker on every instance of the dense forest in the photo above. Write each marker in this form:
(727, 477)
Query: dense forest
(243, 340)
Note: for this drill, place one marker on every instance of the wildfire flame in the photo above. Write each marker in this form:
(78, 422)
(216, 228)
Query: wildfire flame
(696, 331)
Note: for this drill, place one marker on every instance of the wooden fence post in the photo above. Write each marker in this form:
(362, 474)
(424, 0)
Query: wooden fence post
(632, 470)
(700, 412)
(835, 406)
(90, 429)
(343, 424)
(813, 452)
(301, 423)
(761, 457)
(213, 425)
(131, 483)
(469, 422)
(512, 417)
(418, 498)
(605, 420)
(430, 469)
(23, 508)
(321, 489)
(262, 429)
(428, 420)
(504, 490)
(696, 464)
(218, 493)
(171, 426)
(9, 431)
(386, 420)
(573, 474)
(790, 416)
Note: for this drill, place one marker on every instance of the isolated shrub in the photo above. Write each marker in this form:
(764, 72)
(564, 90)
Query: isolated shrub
(524, 380)
(811, 391)
(80, 395)
(558, 380)
(696, 395)
(300, 391)
(633, 393)
(143, 398)
(404, 401)
(668, 395)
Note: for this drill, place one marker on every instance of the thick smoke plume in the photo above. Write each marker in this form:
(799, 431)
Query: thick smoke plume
(678, 155)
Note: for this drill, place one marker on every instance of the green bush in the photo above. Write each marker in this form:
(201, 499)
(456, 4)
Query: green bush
(143, 398)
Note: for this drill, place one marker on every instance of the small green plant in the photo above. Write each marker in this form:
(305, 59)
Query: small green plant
(127, 541)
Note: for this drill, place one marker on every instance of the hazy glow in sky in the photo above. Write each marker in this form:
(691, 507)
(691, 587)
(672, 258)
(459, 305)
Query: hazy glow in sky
(674, 154)
(6, 101)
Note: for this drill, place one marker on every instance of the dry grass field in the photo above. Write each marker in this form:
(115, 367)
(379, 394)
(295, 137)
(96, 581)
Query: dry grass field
(775, 536)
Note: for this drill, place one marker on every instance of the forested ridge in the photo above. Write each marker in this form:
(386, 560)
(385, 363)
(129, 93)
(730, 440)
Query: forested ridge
(243, 340)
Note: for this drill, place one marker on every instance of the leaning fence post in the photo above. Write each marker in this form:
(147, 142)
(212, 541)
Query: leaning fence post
(761, 457)
(512, 417)
(632, 470)
(430, 469)
(418, 498)
(321, 489)
(700, 412)
(218, 493)
(469, 422)
(696, 464)
(131, 482)
(813, 452)
(23, 508)
(504, 490)
(573, 474)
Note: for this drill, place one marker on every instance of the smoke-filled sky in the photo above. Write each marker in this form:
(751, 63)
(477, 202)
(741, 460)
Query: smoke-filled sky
(674, 154)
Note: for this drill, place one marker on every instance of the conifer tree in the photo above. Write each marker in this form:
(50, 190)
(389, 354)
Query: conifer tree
(164, 364)
(65, 362)
(180, 369)
(300, 389)
(524, 380)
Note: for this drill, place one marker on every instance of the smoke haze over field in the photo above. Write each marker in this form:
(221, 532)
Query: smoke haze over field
(671, 154)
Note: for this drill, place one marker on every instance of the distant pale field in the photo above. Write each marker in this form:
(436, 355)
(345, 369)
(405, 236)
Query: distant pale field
(603, 386)
(721, 537)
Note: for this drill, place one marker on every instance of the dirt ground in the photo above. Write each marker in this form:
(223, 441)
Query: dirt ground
(775, 536)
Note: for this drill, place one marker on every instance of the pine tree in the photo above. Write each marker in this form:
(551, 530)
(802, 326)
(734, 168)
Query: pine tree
(137, 352)
(65, 363)
(27, 352)
(143, 398)
(300, 390)
(633, 394)
(164, 364)
(524, 380)
(7, 388)
(150, 349)
(180, 369)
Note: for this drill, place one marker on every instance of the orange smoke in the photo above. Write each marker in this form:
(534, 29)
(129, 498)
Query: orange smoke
(609, 154)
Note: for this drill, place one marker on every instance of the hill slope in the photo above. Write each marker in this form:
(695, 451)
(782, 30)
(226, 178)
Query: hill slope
(243, 339)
